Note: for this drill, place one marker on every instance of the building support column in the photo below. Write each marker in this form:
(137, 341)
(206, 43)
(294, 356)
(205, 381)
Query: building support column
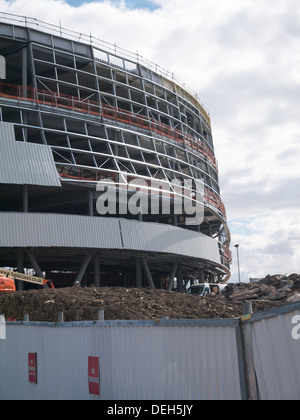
(91, 203)
(97, 280)
(201, 276)
(24, 72)
(25, 199)
(148, 273)
(24, 87)
(20, 269)
(172, 276)
(139, 281)
(179, 279)
(35, 264)
(82, 270)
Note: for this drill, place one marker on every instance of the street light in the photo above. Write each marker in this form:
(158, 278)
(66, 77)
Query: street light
(238, 259)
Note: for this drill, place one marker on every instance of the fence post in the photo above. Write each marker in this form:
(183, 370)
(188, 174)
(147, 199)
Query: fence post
(248, 341)
(100, 315)
(240, 345)
(60, 317)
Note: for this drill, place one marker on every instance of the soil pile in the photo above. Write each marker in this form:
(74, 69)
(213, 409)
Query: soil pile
(83, 304)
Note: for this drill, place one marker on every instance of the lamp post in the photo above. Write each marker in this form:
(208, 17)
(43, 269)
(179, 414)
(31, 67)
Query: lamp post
(238, 259)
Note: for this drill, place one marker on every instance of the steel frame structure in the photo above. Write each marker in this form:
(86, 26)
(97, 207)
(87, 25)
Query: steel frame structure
(105, 113)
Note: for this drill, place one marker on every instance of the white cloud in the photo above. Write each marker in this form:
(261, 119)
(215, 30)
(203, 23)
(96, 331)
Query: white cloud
(242, 58)
(269, 244)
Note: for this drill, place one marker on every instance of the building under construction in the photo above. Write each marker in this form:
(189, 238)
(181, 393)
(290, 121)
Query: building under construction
(81, 118)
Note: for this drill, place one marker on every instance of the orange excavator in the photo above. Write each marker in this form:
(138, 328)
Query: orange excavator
(8, 278)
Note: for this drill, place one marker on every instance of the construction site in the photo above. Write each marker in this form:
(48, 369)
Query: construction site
(114, 245)
(78, 117)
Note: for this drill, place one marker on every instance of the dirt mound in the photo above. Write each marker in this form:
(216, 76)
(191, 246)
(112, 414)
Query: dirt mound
(83, 304)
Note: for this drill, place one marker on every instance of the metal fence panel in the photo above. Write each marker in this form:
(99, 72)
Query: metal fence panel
(137, 362)
(276, 357)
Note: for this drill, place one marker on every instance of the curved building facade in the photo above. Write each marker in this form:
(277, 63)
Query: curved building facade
(108, 173)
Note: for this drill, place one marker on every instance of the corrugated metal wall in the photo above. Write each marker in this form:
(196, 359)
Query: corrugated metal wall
(59, 230)
(19, 159)
(138, 361)
(277, 357)
(169, 239)
(156, 360)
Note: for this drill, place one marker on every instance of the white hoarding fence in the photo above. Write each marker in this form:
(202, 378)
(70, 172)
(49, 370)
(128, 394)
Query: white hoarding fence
(255, 357)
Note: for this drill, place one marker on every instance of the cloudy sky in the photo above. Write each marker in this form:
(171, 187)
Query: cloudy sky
(242, 57)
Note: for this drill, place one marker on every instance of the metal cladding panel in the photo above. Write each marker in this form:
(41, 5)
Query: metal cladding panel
(137, 362)
(195, 244)
(276, 355)
(7, 132)
(25, 163)
(169, 239)
(57, 230)
(151, 237)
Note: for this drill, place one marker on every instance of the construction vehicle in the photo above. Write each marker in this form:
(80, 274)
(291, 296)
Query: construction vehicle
(205, 289)
(8, 278)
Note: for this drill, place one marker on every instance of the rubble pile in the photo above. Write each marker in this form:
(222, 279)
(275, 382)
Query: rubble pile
(276, 288)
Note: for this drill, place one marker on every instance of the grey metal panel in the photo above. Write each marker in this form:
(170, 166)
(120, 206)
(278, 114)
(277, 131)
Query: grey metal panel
(195, 244)
(136, 362)
(148, 236)
(7, 132)
(276, 355)
(169, 239)
(57, 230)
(25, 163)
